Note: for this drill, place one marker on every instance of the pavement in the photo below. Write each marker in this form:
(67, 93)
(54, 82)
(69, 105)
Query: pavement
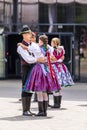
(71, 116)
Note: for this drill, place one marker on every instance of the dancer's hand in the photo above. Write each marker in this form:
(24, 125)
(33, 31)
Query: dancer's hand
(41, 60)
(53, 58)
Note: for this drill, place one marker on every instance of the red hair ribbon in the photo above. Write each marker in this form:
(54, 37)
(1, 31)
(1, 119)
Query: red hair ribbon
(50, 66)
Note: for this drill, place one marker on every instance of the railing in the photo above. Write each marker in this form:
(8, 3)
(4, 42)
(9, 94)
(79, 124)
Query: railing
(43, 27)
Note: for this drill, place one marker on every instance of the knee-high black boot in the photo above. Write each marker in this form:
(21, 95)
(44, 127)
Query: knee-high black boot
(45, 106)
(26, 106)
(57, 101)
(28, 103)
(60, 99)
(35, 97)
(41, 109)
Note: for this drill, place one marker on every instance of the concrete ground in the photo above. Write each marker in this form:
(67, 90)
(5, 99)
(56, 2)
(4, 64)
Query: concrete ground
(71, 116)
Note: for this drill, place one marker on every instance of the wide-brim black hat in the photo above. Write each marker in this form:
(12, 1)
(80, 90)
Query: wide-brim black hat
(25, 29)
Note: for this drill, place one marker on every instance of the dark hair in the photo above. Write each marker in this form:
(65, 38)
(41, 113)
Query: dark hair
(44, 38)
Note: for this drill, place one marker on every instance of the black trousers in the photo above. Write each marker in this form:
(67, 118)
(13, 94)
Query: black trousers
(25, 70)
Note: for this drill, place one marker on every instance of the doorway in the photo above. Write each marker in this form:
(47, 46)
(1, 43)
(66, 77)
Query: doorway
(13, 61)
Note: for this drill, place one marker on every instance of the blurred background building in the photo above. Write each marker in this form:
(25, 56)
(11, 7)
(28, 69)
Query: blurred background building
(66, 19)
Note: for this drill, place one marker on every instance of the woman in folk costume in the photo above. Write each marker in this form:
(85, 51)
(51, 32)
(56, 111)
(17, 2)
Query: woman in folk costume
(63, 75)
(41, 79)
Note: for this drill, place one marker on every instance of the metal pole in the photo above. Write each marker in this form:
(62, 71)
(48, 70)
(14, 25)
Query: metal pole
(4, 11)
(15, 16)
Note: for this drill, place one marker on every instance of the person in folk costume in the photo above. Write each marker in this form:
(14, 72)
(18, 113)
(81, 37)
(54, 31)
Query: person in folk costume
(41, 79)
(27, 62)
(63, 75)
(33, 39)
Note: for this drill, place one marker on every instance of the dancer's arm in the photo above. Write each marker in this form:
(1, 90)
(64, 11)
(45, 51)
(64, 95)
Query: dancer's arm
(22, 45)
(29, 58)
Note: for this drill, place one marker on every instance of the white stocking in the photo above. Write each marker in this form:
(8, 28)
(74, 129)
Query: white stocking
(40, 96)
(45, 96)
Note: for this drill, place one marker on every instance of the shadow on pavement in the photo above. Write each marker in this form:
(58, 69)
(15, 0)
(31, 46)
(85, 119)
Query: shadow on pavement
(49, 108)
(83, 105)
(23, 118)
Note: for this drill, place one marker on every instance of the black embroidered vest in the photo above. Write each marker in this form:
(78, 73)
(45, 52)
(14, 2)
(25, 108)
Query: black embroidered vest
(23, 62)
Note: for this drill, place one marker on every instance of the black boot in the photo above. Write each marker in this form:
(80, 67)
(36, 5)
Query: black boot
(45, 106)
(35, 98)
(60, 98)
(28, 106)
(57, 101)
(41, 109)
(25, 106)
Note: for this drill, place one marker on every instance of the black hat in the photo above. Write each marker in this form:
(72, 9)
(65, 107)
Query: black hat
(25, 29)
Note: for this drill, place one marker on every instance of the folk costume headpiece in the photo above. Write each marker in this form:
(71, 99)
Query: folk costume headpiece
(25, 29)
